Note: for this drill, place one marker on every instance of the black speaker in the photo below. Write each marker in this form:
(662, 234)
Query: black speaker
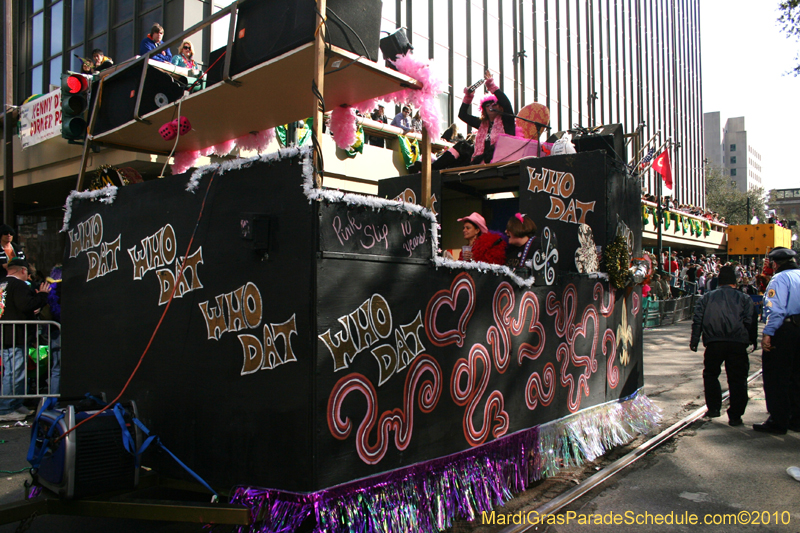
(214, 71)
(395, 44)
(609, 138)
(269, 28)
(120, 92)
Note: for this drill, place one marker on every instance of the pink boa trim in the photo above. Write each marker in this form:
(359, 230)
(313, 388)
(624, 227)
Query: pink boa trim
(256, 141)
(497, 129)
(183, 161)
(491, 85)
(488, 98)
(224, 148)
(343, 119)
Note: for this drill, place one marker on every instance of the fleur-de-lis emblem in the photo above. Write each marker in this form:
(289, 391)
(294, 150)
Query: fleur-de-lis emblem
(624, 334)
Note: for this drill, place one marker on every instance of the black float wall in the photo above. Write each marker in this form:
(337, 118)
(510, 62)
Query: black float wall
(231, 422)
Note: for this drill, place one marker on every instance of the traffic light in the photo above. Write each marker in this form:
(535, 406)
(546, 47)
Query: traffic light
(74, 104)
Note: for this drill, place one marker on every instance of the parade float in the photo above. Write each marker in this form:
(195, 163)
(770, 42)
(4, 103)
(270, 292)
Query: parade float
(316, 351)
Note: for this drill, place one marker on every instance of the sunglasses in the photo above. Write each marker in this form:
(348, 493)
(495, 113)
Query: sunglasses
(187, 47)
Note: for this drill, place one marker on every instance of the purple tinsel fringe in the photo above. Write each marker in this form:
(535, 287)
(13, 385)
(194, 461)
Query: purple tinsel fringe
(429, 496)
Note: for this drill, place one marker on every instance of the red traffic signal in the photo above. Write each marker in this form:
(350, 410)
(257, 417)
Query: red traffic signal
(75, 84)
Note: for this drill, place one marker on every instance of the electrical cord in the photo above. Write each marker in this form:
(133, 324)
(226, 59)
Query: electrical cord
(177, 137)
(160, 321)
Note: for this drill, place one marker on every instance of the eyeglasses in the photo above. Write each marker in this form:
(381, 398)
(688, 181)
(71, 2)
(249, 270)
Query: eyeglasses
(187, 47)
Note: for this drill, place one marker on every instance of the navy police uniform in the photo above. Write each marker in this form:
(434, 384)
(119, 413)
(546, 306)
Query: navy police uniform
(781, 345)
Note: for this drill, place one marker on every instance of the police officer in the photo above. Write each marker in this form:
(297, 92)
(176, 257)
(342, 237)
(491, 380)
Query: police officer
(780, 343)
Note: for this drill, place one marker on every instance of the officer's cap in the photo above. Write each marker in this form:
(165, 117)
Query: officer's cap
(779, 253)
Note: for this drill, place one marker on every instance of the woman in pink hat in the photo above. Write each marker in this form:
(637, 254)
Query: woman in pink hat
(482, 244)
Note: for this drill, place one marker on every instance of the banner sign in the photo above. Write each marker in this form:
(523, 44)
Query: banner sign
(40, 119)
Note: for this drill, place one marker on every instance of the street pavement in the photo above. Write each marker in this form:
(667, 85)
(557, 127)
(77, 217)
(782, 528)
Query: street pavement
(709, 469)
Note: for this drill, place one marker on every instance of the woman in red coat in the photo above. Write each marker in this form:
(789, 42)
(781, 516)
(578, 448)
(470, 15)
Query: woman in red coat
(483, 245)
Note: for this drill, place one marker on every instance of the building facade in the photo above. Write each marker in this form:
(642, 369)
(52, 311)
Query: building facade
(740, 159)
(591, 62)
(786, 203)
(730, 149)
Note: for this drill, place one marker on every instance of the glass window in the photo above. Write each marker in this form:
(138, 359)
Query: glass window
(733, 172)
(147, 20)
(75, 63)
(37, 5)
(123, 11)
(733, 148)
(123, 42)
(100, 42)
(37, 39)
(36, 79)
(55, 71)
(733, 160)
(56, 28)
(99, 21)
(420, 21)
(147, 4)
(78, 15)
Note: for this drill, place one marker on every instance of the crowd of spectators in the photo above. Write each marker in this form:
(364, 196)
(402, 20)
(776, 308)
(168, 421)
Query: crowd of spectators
(669, 204)
(698, 274)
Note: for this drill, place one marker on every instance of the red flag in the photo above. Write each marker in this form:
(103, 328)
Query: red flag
(662, 166)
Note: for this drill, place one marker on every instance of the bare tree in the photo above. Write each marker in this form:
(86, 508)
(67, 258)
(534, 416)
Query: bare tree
(789, 20)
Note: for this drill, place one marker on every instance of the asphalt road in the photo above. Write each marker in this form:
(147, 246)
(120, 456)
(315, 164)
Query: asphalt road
(709, 470)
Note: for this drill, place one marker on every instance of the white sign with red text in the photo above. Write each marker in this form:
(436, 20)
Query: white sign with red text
(40, 119)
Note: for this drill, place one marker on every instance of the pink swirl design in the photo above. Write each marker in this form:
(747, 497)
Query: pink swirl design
(494, 412)
(635, 303)
(563, 310)
(527, 350)
(502, 305)
(448, 297)
(534, 389)
(598, 295)
(401, 421)
(612, 372)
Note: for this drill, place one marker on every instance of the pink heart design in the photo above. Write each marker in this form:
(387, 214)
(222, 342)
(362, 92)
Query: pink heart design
(449, 297)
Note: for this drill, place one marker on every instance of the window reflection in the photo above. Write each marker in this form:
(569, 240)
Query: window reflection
(56, 28)
(37, 40)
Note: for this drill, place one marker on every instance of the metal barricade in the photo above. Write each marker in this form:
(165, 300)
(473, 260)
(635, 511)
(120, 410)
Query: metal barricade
(31, 358)
(665, 312)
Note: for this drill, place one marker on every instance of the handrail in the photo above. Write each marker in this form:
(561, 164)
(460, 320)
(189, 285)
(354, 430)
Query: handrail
(231, 9)
(696, 217)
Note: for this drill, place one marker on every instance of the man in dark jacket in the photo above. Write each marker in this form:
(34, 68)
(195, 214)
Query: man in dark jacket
(18, 301)
(725, 318)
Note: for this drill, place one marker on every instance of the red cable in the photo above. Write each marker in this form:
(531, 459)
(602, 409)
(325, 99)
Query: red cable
(169, 302)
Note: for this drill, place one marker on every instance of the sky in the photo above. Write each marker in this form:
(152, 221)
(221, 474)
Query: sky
(745, 59)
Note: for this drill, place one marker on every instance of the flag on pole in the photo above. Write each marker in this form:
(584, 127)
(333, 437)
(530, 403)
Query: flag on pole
(646, 159)
(662, 166)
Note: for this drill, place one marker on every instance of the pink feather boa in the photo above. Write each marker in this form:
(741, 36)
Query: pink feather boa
(256, 141)
(183, 161)
(343, 119)
(497, 129)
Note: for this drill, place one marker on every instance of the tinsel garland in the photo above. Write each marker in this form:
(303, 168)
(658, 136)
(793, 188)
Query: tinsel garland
(618, 258)
(105, 195)
(484, 267)
(427, 497)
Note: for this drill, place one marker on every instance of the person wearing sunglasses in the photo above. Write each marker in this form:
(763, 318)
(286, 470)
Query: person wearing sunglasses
(185, 57)
(8, 249)
(497, 116)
